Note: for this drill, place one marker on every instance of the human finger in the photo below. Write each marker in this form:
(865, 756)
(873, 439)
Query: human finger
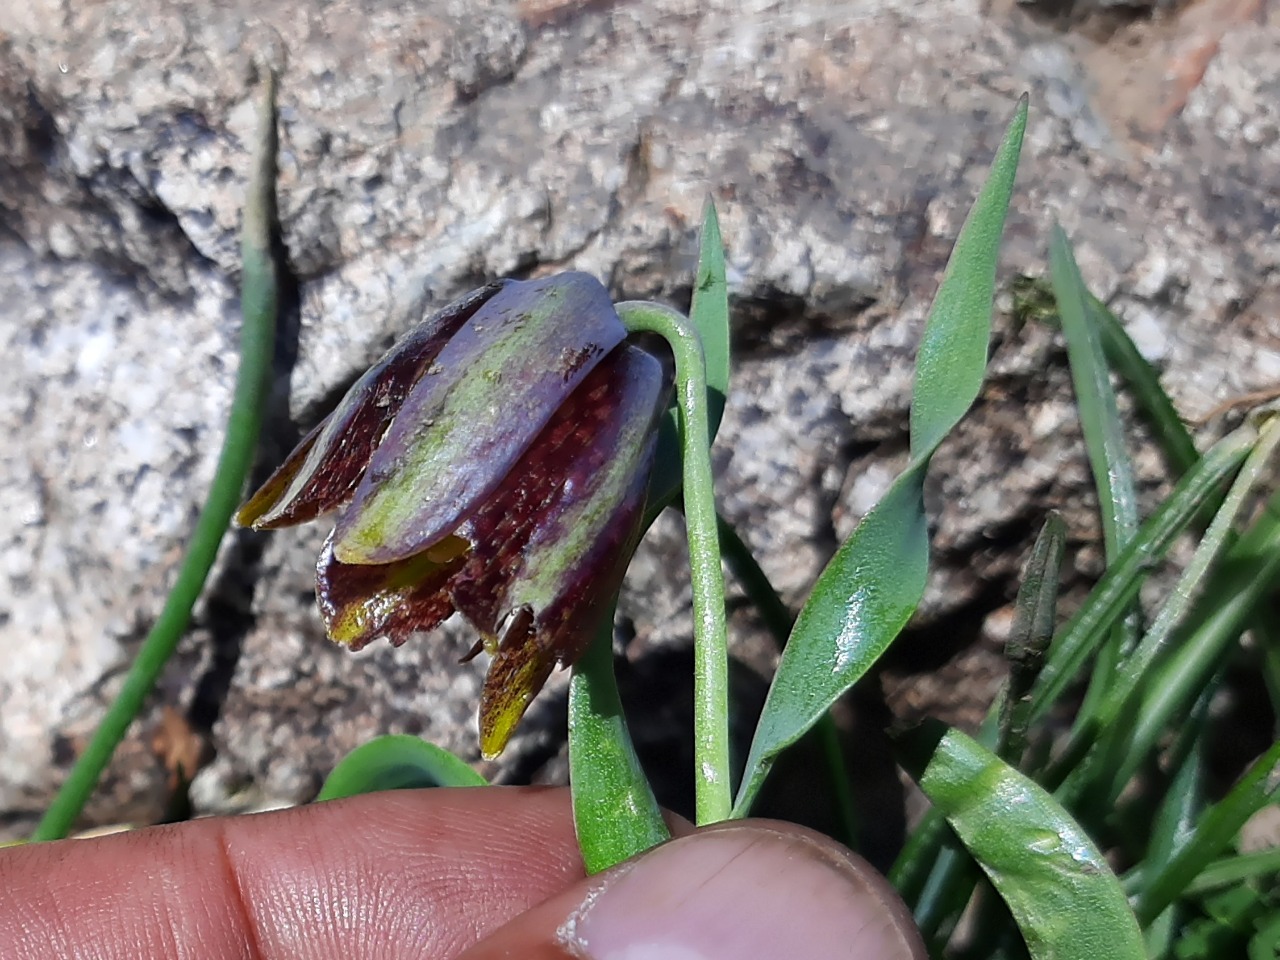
(420, 874)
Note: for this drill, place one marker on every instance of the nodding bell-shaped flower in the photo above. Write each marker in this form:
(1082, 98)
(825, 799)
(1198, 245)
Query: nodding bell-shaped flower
(495, 463)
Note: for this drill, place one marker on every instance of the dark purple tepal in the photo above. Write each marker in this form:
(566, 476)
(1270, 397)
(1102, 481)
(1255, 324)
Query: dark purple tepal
(494, 462)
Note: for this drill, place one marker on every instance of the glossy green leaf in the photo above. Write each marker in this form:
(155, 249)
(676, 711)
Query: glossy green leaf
(396, 762)
(872, 585)
(614, 809)
(1058, 886)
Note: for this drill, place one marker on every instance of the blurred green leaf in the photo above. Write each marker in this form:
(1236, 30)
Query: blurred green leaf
(1175, 822)
(1058, 886)
(1215, 831)
(873, 584)
(1255, 865)
(397, 762)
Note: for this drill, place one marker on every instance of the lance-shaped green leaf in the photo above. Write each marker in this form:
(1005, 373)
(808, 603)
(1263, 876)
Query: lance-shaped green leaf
(536, 566)
(1059, 888)
(474, 412)
(872, 585)
(323, 471)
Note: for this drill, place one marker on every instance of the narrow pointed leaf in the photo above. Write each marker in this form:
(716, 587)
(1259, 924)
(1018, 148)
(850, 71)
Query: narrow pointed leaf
(456, 437)
(709, 315)
(1144, 383)
(875, 581)
(1214, 833)
(1104, 440)
(709, 311)
(1099, 415)
(953, 353)
(1109, 600)
(259, 304)
(396, 762)
(1058, 886)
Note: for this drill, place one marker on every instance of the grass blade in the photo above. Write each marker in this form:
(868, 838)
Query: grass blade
(1250, 570)
(873, 584)
(1058, 886)
(1104, 440)
(1144, 383)
(1108, 601)
(258, 304)
(1099, 415)
(1216, 830)
(1232, 870)
(1130, 677)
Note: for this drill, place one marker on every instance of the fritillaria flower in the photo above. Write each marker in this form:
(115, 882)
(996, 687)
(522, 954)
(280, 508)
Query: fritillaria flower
(493, 463)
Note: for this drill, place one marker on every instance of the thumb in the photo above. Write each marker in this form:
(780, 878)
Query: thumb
(745, 890)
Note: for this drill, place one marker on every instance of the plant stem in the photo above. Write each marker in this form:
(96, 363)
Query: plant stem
(711, 656)
(257, 338)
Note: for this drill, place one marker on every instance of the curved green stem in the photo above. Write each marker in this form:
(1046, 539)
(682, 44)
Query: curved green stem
(257, 337)
(711, 657)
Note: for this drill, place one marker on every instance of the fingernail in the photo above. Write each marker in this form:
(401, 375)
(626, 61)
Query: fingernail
(742, 893)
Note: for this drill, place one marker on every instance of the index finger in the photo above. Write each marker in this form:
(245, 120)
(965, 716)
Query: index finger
(421, 873)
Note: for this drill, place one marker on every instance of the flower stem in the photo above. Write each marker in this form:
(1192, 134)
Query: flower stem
(711, 656)
(258, 304)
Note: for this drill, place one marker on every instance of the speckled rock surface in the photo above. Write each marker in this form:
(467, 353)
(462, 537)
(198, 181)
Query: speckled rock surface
(428, 146)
